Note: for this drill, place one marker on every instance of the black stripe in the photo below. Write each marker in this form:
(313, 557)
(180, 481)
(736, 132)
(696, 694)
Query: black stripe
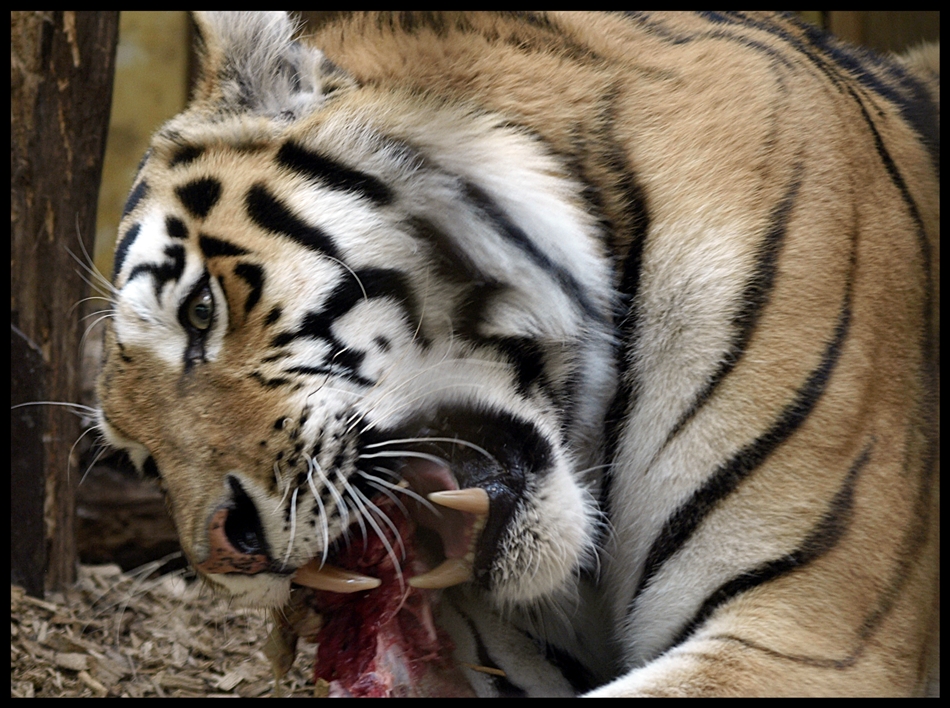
(843, 64)
(150, 468)
(253, 275)
(273, 215)
(164, 272)
(332, 173)
(657, 28)
(199, 196)
(343, 371)
(185, 155)
(527, 357)
(753, 300)
(270, 383)
(122, 248)
(176, 228)
(273, 316)
(886, 78)
(823, 537)
(138, 193)
(500, 682)
(685, 520)
(637, 224)
(213, 247)
(366, 284)
(517, 237)
(451, 262)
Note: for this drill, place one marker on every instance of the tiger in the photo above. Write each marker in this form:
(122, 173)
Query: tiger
(640, 309)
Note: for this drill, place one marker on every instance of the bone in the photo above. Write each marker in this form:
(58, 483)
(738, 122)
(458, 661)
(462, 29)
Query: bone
(333, 579)
(474, 500)
(453, 571)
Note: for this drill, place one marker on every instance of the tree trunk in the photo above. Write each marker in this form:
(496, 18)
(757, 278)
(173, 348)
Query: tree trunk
(61, 90)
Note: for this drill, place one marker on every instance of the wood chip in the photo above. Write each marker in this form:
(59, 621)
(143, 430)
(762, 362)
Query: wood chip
(117, 634)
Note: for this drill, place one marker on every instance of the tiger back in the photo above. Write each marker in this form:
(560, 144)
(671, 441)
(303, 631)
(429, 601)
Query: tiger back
(660, 291)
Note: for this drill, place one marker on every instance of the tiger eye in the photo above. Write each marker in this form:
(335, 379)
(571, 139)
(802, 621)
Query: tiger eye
(201, 310)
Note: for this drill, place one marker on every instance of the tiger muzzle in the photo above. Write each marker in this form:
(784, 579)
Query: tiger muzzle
(236, 540)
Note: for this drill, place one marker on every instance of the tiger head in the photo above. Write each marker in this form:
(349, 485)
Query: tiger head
(327, 293)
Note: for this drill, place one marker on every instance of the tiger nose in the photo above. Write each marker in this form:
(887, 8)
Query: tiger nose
(236, 540)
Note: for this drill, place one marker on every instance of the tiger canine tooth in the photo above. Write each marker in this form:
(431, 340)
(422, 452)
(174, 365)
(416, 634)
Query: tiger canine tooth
(474, 500)
(452, 572)
(333, 579)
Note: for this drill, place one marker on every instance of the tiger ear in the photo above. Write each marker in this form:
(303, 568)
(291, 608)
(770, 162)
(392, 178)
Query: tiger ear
(249, 62)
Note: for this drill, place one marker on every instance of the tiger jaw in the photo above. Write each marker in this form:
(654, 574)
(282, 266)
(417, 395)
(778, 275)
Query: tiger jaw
(473, 532)
(452, 571)
(225, 560)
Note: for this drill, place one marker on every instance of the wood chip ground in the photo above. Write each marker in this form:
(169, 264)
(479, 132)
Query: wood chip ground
(117, 634)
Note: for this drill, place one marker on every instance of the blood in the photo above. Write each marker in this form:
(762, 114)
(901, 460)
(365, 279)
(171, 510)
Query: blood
(384, 642)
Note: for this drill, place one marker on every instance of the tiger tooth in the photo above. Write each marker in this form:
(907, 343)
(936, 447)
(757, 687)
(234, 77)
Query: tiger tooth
(474, 500)
(452, 572)
(334, 579)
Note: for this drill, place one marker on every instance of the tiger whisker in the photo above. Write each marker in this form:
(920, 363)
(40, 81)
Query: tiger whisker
(378, 384)
(293, 527)
(82, 409)
(395, 364)
(281, 484)
(385, 519)
(99, 283)
(380, 405)
(383, 490)
(403, 490)
(362, 502)
(453, 441)
(357, 516)
(88, 264)
(351, 271)
(99, 453)
(323, 512)
(101, 318)
(337, 498)
(405, 453)
(90, 299)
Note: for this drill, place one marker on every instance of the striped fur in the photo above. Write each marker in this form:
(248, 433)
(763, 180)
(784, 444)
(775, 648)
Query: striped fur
(673, 277)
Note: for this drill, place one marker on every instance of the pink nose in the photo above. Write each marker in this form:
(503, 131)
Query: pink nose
(223, 557)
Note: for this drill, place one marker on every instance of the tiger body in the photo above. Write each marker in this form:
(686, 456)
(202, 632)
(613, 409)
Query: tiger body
(671, 280)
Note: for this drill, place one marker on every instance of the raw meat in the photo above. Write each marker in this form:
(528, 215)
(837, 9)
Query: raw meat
(383, 642)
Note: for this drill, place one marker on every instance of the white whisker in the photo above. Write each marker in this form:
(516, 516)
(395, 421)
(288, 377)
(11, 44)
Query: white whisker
(89, 265)
(80, 408)
(357, 516)
(102, 318)
(280, 483)
(403, 490)
(323, 512)
(405, 453)
(385, 519)
(359, 498)
(453, 441)
(337, 498)
(384, 491)
(102, 451)
(293, 527)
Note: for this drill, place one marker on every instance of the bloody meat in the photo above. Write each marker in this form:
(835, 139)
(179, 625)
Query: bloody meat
(384, 642)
